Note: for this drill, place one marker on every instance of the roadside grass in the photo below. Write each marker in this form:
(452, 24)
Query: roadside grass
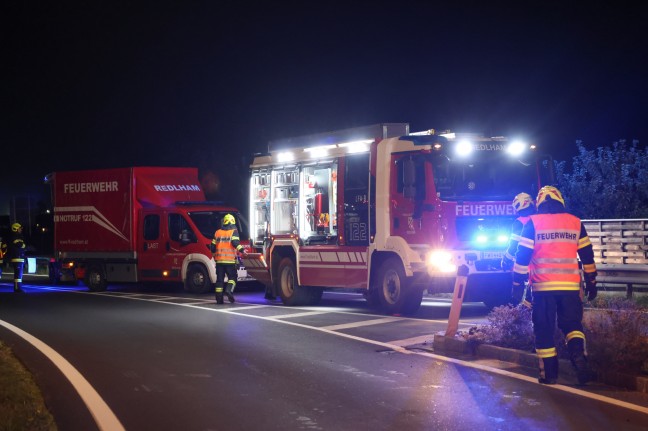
(21, 404)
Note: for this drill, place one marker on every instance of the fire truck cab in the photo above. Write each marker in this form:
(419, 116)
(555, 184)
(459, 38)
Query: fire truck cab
(386, 212)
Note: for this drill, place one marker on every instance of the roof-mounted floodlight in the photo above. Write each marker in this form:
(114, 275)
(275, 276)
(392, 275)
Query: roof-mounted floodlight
(356, 146)
(286, 156)
(320, 151)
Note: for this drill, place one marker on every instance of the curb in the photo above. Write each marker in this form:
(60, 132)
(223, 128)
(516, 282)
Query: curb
(449, 345)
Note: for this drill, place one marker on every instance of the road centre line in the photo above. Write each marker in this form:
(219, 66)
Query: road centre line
(102, 414)
(405, 351)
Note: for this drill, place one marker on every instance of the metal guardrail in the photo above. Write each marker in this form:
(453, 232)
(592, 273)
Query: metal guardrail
(630, 277)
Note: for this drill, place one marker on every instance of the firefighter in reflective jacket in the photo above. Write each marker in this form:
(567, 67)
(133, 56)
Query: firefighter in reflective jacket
(524, 207)
(547, 256)
(17, 255)
(224, 247)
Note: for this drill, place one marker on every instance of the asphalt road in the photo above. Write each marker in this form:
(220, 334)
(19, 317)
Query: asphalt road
(149, 358)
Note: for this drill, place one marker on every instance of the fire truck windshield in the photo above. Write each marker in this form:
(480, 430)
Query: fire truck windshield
(209, 222)
(490, 176)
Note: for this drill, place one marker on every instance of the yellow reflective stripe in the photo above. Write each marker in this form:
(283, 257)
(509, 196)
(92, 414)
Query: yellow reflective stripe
(591, 267)
(515, 237)
(509, 256)
(555, 260)
(17, 260)
(525, 242)
(555, 285)
(574, 334)
(520, 269)
(546, 353)
(584, 242)
(556, 271)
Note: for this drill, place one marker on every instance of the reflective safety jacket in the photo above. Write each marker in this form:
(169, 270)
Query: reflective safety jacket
(548, 250)
(514, 239)
(18, 248)
(225, 245)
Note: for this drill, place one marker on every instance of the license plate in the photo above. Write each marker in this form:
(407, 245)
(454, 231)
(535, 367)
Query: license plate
(492, 254)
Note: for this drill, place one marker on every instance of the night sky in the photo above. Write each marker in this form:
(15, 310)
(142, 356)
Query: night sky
(108, 84)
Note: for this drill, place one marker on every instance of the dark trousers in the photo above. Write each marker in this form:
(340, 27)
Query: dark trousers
(18, 266)
(564, 307)
(223, 269)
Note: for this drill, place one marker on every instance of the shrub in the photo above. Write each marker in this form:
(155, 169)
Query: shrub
(617, 335)
(507, 326)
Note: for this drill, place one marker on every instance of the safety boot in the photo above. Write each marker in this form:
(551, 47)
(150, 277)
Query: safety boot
(219, 295)
(18, 288)
(548, 370)
(582, 369)
(576, 349)
(229, 295)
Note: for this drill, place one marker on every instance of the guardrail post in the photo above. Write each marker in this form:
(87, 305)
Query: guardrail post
(457, 300)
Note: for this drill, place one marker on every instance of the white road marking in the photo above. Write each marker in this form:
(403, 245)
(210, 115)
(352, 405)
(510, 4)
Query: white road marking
(305, 313)
(103, 416)
(414, 340)
(361, 323)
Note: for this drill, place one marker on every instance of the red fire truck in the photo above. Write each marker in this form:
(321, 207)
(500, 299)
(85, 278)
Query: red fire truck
(387, 212)
(135, 225)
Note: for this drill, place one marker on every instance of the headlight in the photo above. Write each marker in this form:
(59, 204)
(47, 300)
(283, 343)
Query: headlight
(516, 148)
(464, 148)
(441, 261)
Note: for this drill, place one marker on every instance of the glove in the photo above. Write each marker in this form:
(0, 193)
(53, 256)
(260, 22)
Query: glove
(517, 292)
(506, 264)
(590, 286)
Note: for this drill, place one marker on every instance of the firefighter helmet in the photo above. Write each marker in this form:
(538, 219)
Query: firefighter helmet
(16, 227)
(522, 201)
(549, 192)
(228, 219)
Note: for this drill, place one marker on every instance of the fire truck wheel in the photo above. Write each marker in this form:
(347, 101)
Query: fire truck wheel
(371, 296)
(197, 280)
(291, 293)
(95, 278)
(413, 299)
(391, 286)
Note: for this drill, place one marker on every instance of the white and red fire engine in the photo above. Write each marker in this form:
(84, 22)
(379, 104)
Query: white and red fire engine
(387, 212)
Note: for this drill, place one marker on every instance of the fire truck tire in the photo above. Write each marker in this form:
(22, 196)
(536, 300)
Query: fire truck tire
(290, 292)
(391, 286)
(197, 280)
(413, 299)
(95, 278)
(371, 296)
